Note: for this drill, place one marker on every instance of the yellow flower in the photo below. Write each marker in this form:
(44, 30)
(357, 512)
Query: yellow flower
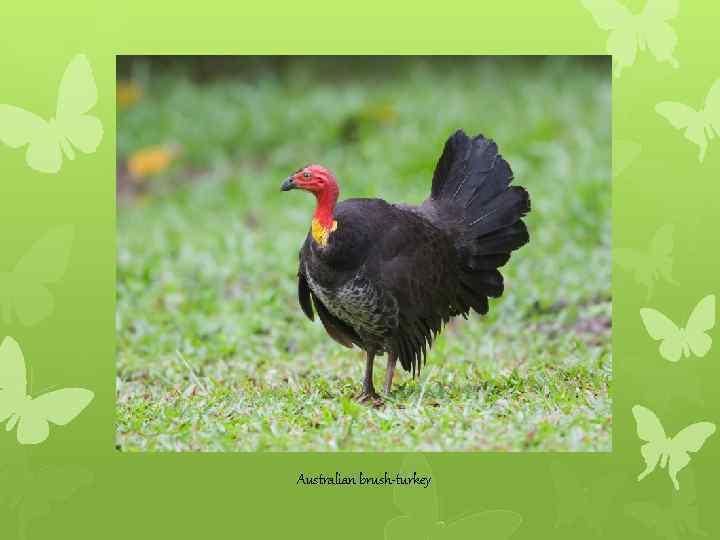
(128, 94)
(151, 161)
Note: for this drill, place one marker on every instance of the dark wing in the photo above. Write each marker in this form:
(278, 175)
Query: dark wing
(417, 266)
(304, 297)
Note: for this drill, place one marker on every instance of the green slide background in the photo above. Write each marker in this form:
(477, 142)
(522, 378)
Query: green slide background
(75, 485)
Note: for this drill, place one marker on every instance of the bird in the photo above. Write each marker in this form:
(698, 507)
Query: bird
(387, 277)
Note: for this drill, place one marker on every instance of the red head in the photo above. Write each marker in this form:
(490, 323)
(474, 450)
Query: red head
(321, 182)
(314, 178)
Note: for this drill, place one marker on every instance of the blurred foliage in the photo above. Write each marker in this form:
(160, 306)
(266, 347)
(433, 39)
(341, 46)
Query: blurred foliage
(213, 350)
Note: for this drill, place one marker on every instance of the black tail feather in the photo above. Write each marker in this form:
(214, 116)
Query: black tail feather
(500, 242)
(476, 300)
(502, 211)
(472, 178)
(488, 282)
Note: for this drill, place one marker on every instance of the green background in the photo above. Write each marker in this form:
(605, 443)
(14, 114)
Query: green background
(76, 485)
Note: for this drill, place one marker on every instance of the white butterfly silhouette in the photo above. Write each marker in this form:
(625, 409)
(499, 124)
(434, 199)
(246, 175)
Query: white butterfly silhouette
(699, 126)
(628, 33)
(47, 140)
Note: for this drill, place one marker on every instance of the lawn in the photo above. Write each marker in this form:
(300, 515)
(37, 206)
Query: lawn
(214, 353)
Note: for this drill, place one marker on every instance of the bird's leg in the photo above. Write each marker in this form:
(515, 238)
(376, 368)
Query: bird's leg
(368, 392)
(392, 359)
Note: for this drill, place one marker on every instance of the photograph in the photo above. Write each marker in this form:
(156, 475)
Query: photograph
(363, 254)
(399, 271)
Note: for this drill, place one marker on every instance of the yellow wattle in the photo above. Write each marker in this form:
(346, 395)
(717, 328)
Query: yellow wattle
(320, 233)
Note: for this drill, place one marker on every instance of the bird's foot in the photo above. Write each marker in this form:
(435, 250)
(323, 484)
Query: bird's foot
(369, 397)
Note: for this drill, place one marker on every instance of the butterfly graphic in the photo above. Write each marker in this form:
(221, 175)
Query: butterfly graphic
(625, 152)
(699, 126)
(420, 517)
(33, 416)
(684, 387)
(678, 342)
(673, 521)
(672, 453)
(582, 501)
(33, 492)
(23, 291)
(629, 32)
(48, 140)
(653, 264)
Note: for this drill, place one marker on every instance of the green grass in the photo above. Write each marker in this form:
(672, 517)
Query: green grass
(214, 353)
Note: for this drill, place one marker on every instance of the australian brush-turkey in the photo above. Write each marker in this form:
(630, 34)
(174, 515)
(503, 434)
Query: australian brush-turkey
(386, 277)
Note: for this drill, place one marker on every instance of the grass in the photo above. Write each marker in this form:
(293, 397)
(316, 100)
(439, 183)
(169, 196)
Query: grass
(214, 353)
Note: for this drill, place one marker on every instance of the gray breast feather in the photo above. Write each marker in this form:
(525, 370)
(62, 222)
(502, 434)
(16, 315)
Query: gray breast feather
(359, 303)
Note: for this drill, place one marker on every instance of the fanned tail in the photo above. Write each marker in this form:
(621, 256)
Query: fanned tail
(473, 180)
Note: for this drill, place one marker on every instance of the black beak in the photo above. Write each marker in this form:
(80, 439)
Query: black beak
(288, 184)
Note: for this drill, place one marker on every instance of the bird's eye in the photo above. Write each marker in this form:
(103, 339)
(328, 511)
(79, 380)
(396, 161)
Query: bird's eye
(306, 175)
